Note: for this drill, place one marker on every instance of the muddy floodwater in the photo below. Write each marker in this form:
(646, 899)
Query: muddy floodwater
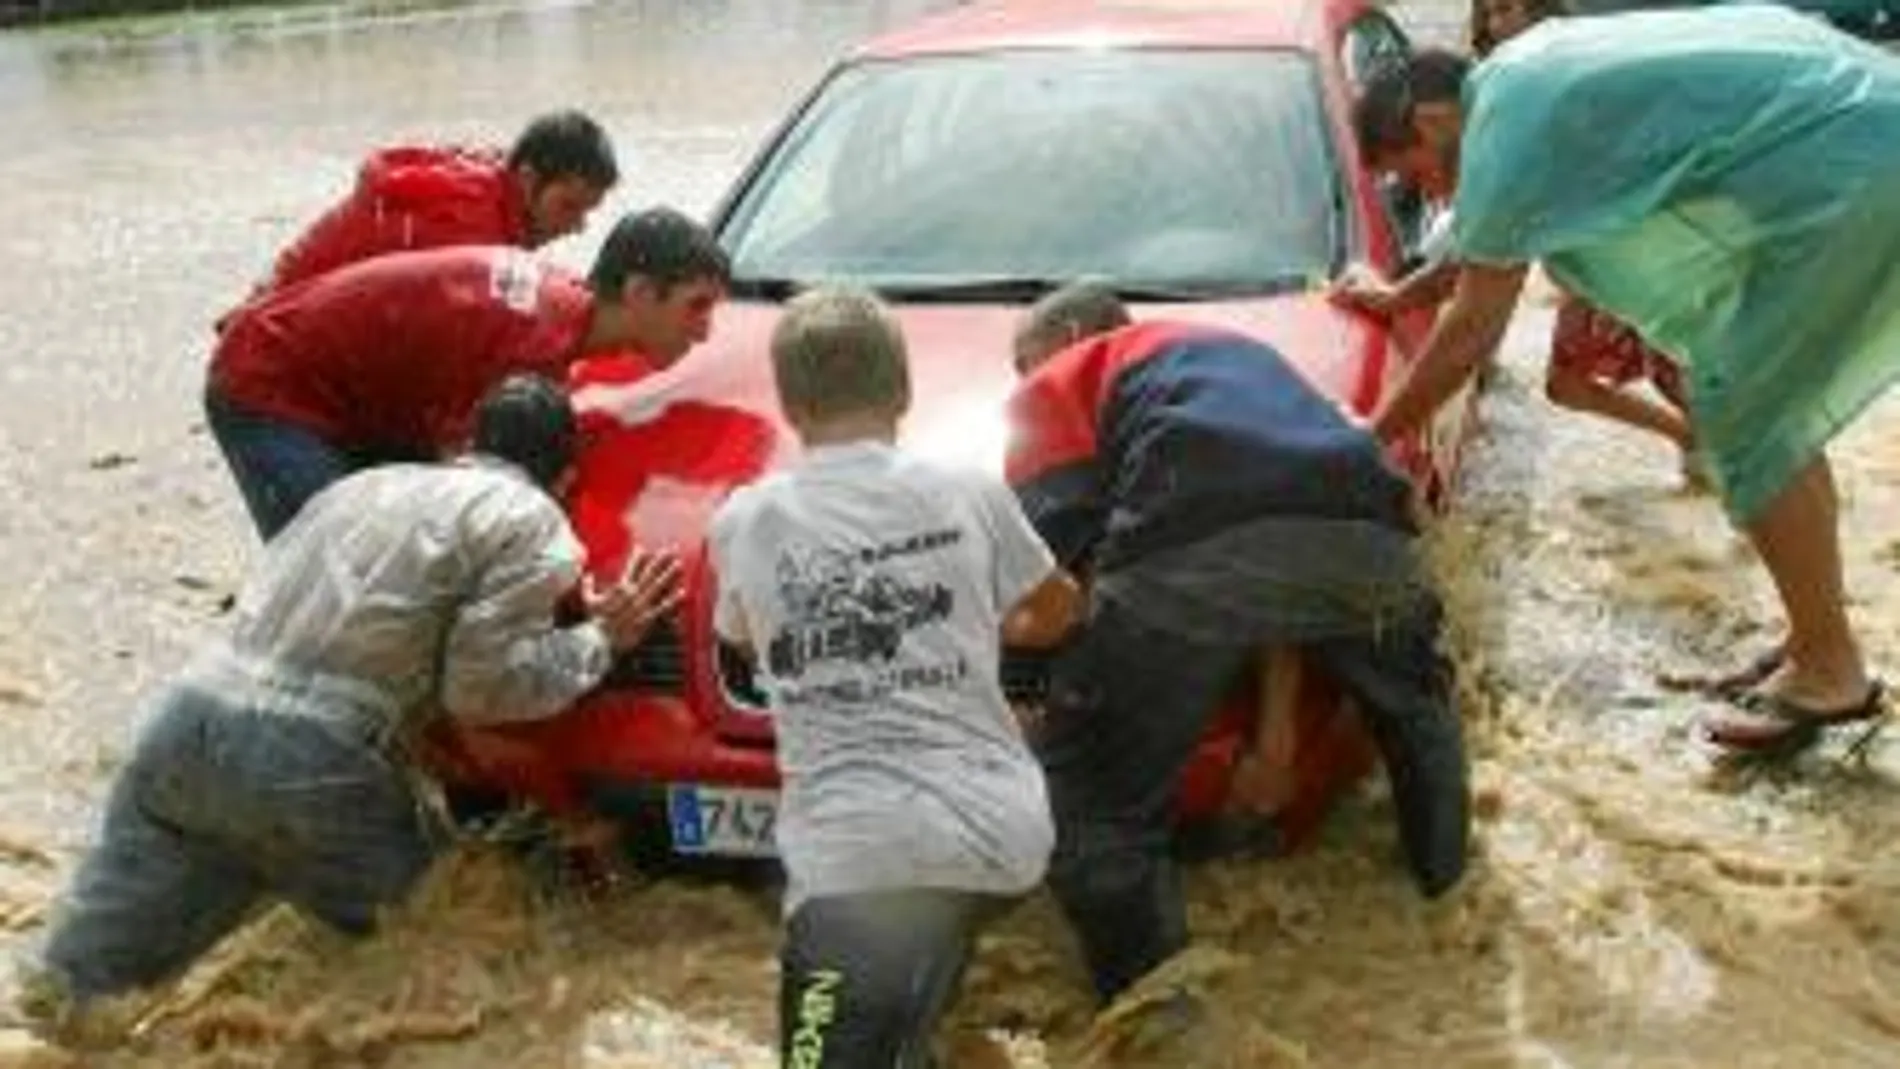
(1628, 906)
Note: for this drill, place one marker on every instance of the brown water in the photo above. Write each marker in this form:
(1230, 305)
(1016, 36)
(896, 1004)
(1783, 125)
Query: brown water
(1629, 908)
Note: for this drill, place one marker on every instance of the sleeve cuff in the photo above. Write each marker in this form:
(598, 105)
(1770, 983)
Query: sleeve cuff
(597, 652)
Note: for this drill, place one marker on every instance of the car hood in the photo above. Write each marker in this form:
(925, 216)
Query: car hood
(661, 450)
(960, 368)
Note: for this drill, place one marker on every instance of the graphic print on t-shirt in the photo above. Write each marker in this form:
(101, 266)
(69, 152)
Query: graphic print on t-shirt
(852, 608)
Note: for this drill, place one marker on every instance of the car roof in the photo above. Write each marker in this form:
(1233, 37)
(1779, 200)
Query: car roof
(994, 25)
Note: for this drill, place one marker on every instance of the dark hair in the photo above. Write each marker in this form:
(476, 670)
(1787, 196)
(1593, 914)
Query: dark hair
(528, 421)
(1382, 117)
(566, 144)
(661, 245)
(1481, 40)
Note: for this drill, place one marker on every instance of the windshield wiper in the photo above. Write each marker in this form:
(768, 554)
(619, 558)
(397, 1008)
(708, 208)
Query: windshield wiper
(1013, 290)
(1212, 289)
(764, 288)
(1000, 289)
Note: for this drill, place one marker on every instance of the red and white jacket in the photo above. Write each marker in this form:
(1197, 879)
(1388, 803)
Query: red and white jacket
(393, 353)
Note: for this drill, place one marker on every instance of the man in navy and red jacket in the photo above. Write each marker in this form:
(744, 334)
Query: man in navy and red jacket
(383, 359)
(1216, 503)
(426, 196)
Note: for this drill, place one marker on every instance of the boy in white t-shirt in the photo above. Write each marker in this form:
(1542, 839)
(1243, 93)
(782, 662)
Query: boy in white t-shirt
(875, 591)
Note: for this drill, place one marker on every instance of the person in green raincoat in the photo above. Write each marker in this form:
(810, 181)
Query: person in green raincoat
(1727, 181)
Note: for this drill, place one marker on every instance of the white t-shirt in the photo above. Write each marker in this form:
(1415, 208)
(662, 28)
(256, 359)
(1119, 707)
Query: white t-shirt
(874, 585)
(1436, 245)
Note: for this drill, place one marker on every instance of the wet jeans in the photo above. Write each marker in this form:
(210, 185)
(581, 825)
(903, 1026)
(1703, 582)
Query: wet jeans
(865, 978)
(219, 810)
(1127, 705)
(279, 466)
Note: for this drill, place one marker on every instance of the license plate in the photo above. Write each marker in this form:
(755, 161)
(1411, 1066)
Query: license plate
(723, 821)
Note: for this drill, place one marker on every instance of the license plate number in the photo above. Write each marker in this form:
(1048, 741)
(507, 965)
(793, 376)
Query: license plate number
(723, 821)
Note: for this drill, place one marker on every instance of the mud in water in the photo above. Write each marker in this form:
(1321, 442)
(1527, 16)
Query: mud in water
(1629, 906)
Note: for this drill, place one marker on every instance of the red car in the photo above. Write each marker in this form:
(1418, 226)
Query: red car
(1196, 154)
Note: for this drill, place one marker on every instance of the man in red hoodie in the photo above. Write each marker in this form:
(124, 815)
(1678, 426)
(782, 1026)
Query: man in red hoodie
(423, 197)
(383, 360)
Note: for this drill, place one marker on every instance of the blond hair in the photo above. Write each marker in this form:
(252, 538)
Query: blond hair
(838, 352)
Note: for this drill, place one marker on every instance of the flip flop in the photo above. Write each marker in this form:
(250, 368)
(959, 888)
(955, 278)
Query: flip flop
(1779, 729)
(1735, 684)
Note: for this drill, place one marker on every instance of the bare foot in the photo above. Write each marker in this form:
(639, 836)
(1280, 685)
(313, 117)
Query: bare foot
(1766, 724)
(1733, 684)
(1797, 687)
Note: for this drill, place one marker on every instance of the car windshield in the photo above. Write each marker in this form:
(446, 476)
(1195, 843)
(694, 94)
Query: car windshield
(1187, 172)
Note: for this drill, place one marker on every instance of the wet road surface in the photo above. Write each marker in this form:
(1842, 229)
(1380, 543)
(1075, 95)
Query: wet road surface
(1629, 909)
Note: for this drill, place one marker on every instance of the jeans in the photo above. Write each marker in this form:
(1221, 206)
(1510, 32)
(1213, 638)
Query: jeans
(1127, 705)
(219, 810)
(865, 978)
(279, 466)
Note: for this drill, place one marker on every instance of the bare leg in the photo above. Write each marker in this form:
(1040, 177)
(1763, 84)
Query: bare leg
(1581, 393)
(1798, 537)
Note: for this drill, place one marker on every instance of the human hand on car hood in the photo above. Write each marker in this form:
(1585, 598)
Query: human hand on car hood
(646, 591)
(1361, 287)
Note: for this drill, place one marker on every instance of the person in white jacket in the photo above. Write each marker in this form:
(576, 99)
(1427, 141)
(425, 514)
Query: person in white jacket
(280, 764)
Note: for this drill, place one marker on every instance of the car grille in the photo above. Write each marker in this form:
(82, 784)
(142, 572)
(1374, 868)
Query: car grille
(1025, 675)
(657, 663)
(740, 679)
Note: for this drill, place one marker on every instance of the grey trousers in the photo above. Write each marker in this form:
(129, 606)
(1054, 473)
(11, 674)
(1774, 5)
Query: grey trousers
(865, 979)
(222, 809)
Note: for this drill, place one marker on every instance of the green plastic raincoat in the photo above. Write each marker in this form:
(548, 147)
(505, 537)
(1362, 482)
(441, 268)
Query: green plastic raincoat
(1725, 180)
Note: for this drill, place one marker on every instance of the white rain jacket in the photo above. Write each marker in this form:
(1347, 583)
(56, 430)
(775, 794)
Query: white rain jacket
(410, 588)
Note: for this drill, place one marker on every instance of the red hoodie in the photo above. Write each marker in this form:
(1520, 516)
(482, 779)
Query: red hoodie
(412, 197)
(393, 353)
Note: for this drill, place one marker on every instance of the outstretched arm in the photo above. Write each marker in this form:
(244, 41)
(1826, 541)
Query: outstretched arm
(1470, 327)
(1427, 287)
